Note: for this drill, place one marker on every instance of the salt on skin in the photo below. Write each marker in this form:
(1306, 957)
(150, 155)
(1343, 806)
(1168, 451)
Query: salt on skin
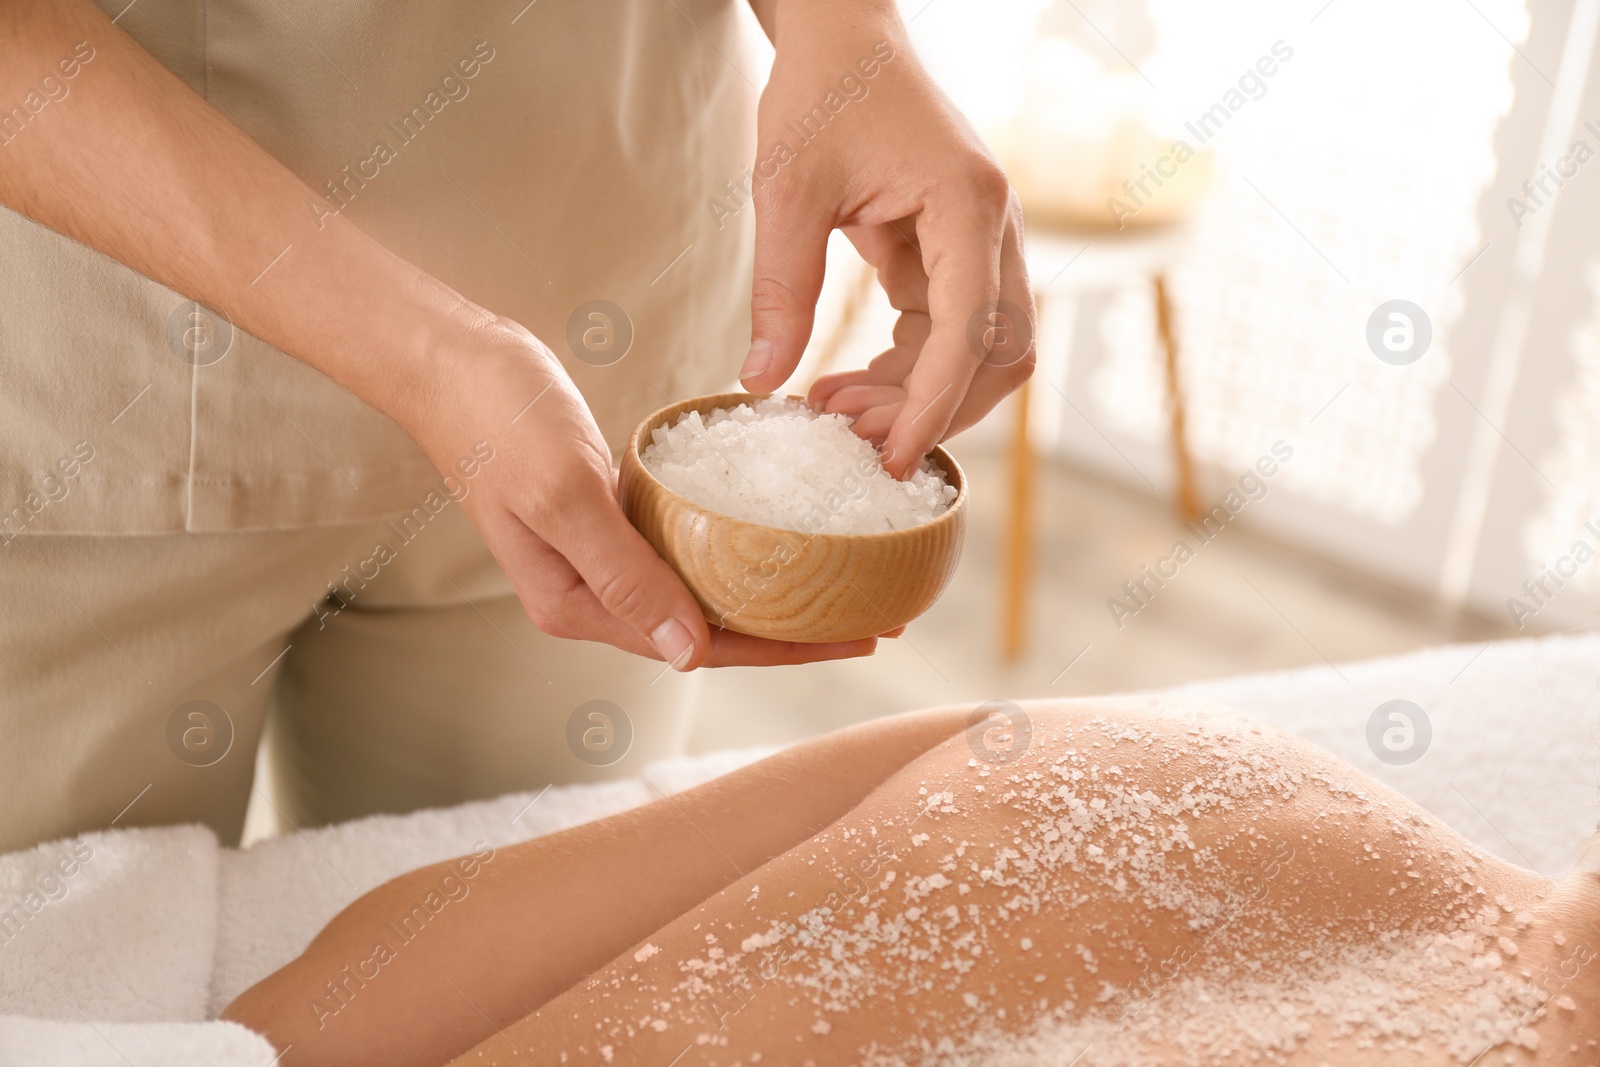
(1231, 1002)
(1258, 980)
(778, 463)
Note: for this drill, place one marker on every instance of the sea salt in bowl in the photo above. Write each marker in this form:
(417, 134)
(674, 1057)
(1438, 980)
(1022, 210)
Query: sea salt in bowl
(792, 577)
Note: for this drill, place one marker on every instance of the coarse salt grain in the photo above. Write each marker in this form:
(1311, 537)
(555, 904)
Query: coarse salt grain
(778, 463)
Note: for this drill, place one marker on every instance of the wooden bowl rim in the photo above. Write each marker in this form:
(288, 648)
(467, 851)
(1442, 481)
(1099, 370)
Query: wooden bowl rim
(946, 460)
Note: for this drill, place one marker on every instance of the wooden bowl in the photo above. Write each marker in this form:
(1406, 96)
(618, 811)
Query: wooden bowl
(791, 585)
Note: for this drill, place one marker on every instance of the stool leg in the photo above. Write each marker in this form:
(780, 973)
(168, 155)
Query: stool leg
(1018, 572)
(1187, 496)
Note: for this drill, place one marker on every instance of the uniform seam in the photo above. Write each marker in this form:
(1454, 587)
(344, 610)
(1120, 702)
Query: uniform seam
(194, 368)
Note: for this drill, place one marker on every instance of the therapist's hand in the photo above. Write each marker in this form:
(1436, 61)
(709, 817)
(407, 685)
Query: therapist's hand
(547, 508)
(853, 134)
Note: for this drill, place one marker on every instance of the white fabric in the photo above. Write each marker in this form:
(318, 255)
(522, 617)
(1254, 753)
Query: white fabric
(45, 1043)
(88, 917)
(160, 928)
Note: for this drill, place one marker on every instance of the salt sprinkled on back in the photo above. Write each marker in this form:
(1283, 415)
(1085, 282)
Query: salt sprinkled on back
(778, 463)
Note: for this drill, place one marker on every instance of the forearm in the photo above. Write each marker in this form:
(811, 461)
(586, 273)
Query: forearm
(135, 165)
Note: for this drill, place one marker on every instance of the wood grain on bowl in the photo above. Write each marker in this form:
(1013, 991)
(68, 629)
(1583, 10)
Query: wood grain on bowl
(792, 585)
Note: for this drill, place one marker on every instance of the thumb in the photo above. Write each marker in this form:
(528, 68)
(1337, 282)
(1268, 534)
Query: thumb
(635, 584)
(791, 250)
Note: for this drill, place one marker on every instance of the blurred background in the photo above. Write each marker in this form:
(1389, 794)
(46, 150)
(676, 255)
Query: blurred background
(1357, 232)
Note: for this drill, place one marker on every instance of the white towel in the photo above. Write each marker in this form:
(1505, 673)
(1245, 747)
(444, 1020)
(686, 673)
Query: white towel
(44, 1043)
(117, 926)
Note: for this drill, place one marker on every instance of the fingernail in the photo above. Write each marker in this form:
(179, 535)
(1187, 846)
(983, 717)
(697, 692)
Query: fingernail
(758, 359)
(672, 640)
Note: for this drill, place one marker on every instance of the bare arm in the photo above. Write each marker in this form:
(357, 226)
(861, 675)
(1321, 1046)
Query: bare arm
(132, 163)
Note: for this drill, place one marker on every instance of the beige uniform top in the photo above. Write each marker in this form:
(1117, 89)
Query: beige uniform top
(534, 156)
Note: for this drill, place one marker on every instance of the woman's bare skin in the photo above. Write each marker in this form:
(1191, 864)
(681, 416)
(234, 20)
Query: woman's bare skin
(1253, 864)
